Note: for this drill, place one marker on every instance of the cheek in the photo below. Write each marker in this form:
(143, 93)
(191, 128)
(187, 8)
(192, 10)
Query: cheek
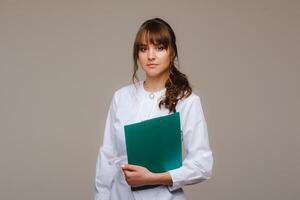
(165, 58)
(142, 59)
(142, 63)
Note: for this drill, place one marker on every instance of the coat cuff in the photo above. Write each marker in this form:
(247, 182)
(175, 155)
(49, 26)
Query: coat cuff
(175, 179)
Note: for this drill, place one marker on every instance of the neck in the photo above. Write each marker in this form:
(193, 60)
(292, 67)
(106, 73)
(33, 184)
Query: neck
(154, 84)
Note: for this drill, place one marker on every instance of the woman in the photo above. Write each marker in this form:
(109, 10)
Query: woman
(165, 90)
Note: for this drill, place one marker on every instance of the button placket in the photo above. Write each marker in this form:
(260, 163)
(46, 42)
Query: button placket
(152, 104)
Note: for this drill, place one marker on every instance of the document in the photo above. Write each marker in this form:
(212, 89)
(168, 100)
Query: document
(155, 144)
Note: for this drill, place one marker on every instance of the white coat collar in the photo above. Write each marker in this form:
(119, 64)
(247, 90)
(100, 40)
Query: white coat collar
(142, 93)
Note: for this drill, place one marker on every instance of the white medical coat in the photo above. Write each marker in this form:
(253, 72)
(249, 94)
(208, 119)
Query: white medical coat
(131, 104)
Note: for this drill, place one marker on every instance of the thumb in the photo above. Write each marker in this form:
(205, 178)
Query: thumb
(128, 167)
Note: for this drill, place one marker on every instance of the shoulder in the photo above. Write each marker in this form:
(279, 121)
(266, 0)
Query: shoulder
(193, 97)
(124, 92)
(193, 100)
(191, 108)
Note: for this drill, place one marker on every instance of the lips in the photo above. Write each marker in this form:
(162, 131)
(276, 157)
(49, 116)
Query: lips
(151, 65)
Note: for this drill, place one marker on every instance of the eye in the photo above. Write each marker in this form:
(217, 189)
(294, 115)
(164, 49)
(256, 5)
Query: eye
(142, 49)
(160, 48)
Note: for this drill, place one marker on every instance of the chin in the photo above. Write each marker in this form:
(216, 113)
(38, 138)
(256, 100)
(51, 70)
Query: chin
(151, 75)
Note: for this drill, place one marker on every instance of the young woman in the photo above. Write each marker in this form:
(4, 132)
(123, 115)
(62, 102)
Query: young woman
(165, 90)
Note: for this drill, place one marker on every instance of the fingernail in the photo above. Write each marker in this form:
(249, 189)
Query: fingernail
(122, 166)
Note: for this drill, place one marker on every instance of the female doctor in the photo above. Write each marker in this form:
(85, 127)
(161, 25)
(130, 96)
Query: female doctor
(164, 90)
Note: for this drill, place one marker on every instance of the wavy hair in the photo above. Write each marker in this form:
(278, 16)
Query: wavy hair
(159, 32)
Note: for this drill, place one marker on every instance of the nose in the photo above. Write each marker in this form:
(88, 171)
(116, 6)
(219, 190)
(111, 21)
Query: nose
(151, 54)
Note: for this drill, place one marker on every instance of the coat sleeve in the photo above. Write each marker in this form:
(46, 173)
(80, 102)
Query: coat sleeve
(197, 165)
(104, 167)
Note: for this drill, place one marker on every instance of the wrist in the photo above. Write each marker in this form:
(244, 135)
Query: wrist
(160, 179)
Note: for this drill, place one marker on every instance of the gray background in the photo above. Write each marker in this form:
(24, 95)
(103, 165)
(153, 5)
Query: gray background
(62, 60)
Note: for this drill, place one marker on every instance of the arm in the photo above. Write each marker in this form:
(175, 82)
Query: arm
(161, 179)
(198, 163)
(106, 153)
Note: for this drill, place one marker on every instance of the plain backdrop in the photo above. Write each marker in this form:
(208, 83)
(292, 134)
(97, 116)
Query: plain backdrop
(61, 61)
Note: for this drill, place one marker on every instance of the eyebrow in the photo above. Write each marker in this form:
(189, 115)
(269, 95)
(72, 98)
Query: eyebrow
(144, 45)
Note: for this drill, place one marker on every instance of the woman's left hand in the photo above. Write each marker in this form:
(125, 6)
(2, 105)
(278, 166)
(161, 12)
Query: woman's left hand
(137, 175)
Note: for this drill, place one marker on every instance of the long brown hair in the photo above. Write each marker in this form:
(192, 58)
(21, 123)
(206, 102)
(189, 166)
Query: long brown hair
(157, 31)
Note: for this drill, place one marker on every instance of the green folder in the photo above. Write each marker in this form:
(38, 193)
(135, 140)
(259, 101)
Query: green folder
(155, 144)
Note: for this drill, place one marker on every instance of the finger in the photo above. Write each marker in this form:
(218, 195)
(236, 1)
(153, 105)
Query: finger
(125, 175)
(128, 174)
(129, 167)
(125, 172)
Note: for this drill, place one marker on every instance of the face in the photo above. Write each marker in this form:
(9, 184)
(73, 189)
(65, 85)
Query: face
(154, 59)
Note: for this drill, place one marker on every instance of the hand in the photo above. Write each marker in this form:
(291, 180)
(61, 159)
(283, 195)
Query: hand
(137, 175)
